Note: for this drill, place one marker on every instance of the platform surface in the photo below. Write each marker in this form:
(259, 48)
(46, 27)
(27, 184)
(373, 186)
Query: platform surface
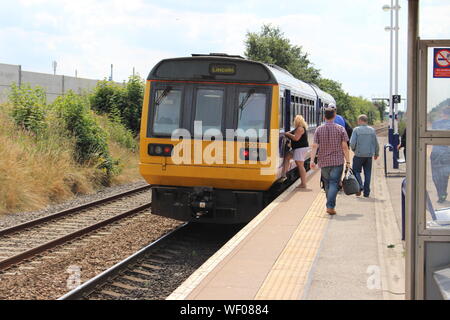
(294, 250)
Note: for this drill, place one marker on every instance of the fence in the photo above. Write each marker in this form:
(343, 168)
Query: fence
(54, 85)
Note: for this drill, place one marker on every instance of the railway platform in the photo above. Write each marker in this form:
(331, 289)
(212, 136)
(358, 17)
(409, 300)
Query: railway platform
(294, 250)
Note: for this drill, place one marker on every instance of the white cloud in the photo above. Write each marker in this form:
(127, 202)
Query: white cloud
(345, 39)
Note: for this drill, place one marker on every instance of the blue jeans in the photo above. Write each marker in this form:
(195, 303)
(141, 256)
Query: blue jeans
(331, 176)
(359, 164)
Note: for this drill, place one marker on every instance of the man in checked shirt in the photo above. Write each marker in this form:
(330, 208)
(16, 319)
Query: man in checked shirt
(330, 146)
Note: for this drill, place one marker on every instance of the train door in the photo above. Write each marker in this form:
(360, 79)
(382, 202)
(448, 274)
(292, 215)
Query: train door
(285, 124)
(318, 111)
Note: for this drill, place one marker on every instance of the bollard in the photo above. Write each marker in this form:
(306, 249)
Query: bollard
(395, 143)
(386, 146)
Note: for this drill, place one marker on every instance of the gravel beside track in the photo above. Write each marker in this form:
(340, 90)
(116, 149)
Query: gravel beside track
(46, 277)
(156, 271)
(12, 219)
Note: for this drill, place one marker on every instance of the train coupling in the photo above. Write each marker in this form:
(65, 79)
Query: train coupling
(202, 201)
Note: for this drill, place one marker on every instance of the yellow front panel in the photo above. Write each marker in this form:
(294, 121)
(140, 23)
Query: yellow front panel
(227, 170)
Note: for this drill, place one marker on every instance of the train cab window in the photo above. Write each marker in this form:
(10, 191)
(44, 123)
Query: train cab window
(252, 111)
(208, 109)
(167, 106)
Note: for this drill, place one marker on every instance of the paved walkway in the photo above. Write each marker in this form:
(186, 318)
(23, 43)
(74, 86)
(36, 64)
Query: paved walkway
(362, 252)
(294, 250)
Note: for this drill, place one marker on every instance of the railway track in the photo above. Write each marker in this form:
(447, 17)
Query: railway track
(159, 268)
(381, 129)
(29, 239)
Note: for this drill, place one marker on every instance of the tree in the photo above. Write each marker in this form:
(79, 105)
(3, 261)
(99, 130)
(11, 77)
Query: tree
(343, 101)
(381, 106)
(131, 111)
(121, 103)
(360, 106)
(271, 46)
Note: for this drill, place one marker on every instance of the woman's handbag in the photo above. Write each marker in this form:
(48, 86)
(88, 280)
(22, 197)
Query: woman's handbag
(350, 184)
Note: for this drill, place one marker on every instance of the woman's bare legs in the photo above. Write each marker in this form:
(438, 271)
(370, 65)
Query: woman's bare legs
(286, 163)
(302, 171)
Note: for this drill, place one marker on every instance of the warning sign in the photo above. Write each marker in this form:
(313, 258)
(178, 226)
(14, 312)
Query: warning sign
(441, 63)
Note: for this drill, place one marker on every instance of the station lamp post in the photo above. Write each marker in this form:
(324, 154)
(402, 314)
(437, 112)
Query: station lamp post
(394, 97)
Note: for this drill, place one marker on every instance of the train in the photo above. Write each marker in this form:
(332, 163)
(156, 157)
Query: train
(212, 143)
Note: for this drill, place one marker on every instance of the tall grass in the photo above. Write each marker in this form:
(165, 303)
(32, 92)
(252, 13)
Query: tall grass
(37, 172)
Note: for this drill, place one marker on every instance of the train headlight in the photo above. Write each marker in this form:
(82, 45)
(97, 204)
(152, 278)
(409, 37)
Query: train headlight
(253, 154)
(160, 150)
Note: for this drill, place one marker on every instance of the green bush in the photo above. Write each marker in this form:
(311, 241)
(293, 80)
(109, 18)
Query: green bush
(120, 103)
(90, 138)
(102, 100)
(118, 133)
(29, 107)
(131, 111)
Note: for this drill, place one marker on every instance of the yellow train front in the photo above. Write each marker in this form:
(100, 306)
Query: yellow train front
(212, 142)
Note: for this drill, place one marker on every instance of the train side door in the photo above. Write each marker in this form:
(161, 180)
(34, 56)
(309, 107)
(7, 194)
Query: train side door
(319, 117)
(285, 124)
(287, 110)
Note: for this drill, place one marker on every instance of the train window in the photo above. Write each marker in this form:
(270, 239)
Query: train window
(252, 111)
(208, 109)
(306, 113)
(167, 111)
(292, 110)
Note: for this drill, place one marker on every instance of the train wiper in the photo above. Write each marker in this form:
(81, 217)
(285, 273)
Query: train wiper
(162, 96)
(244, 102)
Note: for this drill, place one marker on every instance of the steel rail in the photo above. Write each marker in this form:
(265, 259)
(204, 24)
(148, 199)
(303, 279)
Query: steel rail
(16, 259)
(63, 213)
(90, 286)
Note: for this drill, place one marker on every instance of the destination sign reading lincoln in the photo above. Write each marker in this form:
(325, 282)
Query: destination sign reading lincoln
(224, 69)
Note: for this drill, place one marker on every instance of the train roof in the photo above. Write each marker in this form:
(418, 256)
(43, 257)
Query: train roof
(235, 69)
(285, 79)
(324, 96)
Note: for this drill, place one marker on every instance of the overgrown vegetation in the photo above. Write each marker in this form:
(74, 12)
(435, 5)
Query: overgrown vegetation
(121, 103)
(52, 151)
(90, 139)
(28, 107)
(269, 45)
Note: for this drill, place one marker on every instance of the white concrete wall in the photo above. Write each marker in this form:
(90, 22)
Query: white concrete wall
(53, 85)
(8, 74)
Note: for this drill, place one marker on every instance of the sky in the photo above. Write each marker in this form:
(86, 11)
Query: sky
(345, 39)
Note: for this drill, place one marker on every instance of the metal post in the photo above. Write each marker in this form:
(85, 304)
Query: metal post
(411, 144)
(391, 62)
(395, 137)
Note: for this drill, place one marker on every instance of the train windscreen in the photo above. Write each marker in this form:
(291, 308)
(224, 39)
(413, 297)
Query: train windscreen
(209, 110)
(252, 113)
(167, 111)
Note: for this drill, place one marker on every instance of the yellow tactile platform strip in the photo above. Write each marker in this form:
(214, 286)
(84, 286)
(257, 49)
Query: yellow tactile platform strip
(289, 275)
(183, 291)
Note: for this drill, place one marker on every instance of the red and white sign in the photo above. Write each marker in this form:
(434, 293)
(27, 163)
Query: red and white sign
(441, 63)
